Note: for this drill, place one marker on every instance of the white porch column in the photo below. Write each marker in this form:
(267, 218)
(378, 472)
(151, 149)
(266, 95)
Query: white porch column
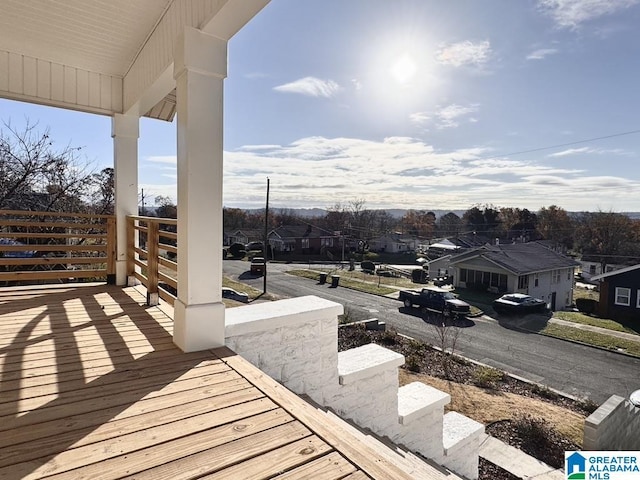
(125, 133)
(200, 67)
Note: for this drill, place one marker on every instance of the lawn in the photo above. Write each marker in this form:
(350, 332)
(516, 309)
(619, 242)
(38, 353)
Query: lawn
(244, 288)
(592, 338)
(348, 281)
(578, 317)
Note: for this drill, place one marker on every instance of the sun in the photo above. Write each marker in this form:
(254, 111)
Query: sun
(404, 69)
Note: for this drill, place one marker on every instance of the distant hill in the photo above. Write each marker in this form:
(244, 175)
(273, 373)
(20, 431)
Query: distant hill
(321, 212)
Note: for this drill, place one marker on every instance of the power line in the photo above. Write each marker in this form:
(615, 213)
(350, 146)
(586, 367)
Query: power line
(560, 145)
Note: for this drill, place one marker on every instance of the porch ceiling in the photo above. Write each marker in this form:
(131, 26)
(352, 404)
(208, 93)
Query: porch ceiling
(102, 36)
(105, 56)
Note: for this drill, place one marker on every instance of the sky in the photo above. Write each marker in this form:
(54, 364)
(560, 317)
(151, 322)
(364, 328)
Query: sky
(422, 104)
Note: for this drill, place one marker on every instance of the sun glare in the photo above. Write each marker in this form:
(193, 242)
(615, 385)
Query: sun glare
(404, 69)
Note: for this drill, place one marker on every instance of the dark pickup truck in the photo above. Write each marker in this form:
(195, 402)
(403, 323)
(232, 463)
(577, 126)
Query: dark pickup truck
(436, 300)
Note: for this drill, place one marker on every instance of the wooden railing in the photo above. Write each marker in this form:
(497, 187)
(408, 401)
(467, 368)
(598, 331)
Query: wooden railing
(55, 246)
(151, 243)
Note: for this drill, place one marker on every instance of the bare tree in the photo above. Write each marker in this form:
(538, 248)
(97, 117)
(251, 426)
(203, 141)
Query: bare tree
(446, 334)
(104, 192)
(36, 176)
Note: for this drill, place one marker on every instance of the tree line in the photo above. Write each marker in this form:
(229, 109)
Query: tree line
(606, 235)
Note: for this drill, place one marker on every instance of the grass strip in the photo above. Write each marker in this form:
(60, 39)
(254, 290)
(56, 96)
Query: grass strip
(592, 338)
(577, 317)
(347, 283)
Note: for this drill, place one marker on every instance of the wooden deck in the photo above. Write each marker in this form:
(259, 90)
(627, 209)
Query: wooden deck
(92, 387)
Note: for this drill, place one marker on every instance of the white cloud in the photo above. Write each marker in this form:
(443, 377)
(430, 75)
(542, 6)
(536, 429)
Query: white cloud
(250, 148)
(166, 159)
(572, 13)
(420, 118)
(402, 172)
(311, 86)
(464, 53)
(397, 172)
(588, 150)
(573, 151)
(541, 53)
(450, 115)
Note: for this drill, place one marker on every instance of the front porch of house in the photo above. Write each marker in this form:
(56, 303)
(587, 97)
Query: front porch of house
(92, 386)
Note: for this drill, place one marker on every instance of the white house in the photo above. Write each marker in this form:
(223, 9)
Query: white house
(529, 268)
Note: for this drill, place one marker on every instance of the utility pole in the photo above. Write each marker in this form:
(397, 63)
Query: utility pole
(142, 197)
(266, 239)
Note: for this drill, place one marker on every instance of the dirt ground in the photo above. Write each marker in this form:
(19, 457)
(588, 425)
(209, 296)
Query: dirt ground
(487, 406)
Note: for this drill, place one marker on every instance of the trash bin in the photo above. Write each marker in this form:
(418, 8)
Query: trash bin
(335, 280)
(418, 275)
(323, 278)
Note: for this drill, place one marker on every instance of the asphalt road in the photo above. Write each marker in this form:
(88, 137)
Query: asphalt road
(571, 368)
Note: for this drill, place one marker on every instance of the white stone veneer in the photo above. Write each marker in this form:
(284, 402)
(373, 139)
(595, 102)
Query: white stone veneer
(295, 341)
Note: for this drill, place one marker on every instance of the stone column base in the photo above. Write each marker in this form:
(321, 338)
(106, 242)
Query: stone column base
(198, 327)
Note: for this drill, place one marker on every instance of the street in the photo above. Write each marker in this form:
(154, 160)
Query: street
(571, 368)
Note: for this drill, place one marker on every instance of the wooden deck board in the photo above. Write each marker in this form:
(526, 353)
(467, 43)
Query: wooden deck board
(327, 467)
(92, 387)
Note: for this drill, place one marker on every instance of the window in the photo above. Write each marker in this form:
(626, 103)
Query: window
(555, 277)
(638, 298)
(523, 282)
(569, 273)
(305, 243)
(623, 296)
(592, 269)
(535, 279)
(326, 242)
(463, 274)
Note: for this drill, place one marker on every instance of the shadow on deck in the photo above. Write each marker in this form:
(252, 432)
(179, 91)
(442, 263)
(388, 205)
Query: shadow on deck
(92, 386)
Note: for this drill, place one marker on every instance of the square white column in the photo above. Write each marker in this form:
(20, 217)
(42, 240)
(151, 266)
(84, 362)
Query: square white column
(125, 132)
(199, 69)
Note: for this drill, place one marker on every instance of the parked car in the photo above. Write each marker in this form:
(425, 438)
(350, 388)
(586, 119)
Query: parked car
(254, 246)
(519, 303)
(232, 294)
(435, 299)
(258, 266)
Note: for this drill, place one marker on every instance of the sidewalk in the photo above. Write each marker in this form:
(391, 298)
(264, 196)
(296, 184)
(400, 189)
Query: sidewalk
(516, 461)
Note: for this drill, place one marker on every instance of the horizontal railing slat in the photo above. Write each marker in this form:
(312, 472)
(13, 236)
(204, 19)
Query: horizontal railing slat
(52, 248)
(51, 261)
(51, 275)
(34, 213)
(98, 236)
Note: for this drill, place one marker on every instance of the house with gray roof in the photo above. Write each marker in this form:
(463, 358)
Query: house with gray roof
(305, 239)
(530, 268)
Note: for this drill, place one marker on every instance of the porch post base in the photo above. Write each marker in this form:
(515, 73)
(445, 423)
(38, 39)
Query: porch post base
(198, 327)
(121, 273)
